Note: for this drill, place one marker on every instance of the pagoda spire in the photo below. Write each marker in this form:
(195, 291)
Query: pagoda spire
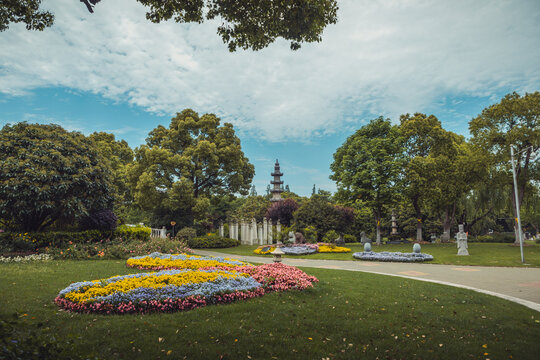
(277, 182)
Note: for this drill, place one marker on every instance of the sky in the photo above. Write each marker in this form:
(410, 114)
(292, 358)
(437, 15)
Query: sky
(115, 71)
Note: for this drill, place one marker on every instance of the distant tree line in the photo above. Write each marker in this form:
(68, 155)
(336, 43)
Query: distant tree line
(194, 173)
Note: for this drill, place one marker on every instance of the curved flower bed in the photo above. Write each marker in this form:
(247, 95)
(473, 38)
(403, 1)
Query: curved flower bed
(184, 289)
(331, 248)
(167, 290)
(302, 249)
(392, 256)
(263, 250)
(158, 261)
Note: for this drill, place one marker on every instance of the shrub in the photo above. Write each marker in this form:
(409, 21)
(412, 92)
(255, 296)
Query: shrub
(63, 239)
(283, 211)
(349, 238)
(186, 234)
(330, 236)
(494, 238)
(213, 241)
(118, 249)
(104, 220)
(310, 233)
(133, 232)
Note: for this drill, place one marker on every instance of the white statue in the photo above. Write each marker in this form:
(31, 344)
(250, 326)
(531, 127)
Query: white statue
(461, 238)
(292, 239)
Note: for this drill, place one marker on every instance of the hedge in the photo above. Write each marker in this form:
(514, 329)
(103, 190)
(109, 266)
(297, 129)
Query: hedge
(11, 241)
(494, 238)
(212, 241)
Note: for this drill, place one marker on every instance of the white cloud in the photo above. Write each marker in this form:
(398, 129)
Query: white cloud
(383, 57)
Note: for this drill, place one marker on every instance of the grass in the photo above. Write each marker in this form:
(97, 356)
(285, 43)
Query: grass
(485, 254)
(348, 315)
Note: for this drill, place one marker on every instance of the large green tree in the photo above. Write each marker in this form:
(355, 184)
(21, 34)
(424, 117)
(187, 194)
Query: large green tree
(118, 156)
(514, 121)
(368, 167)
(189, 162)
(246, 24)
(49, 173)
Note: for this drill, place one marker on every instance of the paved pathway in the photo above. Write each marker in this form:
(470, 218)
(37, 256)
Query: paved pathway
(520, 285)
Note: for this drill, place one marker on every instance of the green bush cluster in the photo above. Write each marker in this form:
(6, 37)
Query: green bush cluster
(330, 236)
(132, 232)
(349, 238)
(212, 241)
(494, 238)
(118, 249)
(186, 234)
(61, 239)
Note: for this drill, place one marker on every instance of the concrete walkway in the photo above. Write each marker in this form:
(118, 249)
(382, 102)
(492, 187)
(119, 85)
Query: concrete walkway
(520, 285)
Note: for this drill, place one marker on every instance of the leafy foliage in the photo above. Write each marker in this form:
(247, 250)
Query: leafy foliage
(194, 158)
(512, 122)
(26, 11)
(212, 241)
(283, 211)
(252, 24)
(368, 165)
(104, 220)
(319, 214)
(48, 174)
(251, 207)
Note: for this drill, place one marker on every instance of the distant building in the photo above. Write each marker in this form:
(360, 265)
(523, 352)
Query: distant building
(277, 190)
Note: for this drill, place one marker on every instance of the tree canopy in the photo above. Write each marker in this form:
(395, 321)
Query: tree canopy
(246, 24)
(511, 122)
(192, 160)
(25, 11)
(367, 167)
(49, 173)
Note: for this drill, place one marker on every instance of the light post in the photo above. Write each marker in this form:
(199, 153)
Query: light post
(173, 223)
(518, 219)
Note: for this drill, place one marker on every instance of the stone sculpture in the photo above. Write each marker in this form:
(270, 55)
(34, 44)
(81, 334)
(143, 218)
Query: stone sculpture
(461, 238)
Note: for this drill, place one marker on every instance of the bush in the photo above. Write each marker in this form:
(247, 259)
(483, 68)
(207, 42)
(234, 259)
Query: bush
(133, 232)
(62, 239)
(212, 242)
(494, 238)
(104, 220)
(310, 234)
(349, 238)
(330, 236)
(186, 234)
(119, 249)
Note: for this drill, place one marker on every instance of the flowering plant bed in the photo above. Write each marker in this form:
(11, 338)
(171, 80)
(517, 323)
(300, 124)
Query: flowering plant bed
(265, 249)
(158, 261)
(180, 289)
(33, 257)
(392, 256)
(302, 249)
(332, 248)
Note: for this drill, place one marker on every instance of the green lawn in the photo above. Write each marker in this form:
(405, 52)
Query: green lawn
(485, 254)
(348, 315)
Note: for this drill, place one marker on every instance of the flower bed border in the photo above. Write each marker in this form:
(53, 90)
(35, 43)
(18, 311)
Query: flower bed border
(392, 256)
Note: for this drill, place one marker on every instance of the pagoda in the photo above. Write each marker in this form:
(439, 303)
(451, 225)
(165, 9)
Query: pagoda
(277, 190)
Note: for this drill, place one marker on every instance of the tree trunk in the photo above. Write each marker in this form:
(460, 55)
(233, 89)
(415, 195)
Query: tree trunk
(378, 228)
(447, 223)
